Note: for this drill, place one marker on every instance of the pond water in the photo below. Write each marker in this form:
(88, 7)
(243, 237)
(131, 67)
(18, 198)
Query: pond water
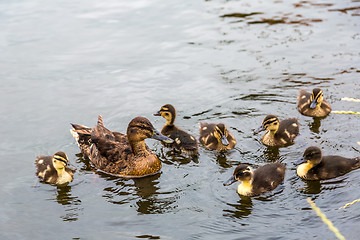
(224, 61)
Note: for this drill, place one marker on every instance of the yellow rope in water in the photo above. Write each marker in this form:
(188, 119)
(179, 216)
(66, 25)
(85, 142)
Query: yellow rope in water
(325, 220)
(350, 99)
(348, 204)
(346, 112)
(358, 143)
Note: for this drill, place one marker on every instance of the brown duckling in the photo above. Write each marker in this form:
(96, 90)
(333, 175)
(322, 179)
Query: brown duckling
(119, 154)
(278, 133)
(318, 167)
(263, 179)
(183, 141)
(216, 136)
(54, 169)
(313, 104)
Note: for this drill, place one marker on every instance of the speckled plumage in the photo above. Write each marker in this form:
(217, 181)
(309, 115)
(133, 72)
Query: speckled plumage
(119, 154)
(46, 171)
(320, 167)
(183, 141)
(210, 136)
(265, 178)
(305, 98)
(279, 133)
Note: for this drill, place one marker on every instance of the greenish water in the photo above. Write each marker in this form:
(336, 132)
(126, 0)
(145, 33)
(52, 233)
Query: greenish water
(219, 61)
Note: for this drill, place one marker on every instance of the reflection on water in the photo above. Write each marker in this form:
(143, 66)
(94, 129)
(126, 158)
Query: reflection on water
(172, 157)
(72, 204)
(240, 210)
(142, 193)
(315, 187)
(270, 154)
(315, 125)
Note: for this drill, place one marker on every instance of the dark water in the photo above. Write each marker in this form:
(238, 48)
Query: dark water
(229, 61)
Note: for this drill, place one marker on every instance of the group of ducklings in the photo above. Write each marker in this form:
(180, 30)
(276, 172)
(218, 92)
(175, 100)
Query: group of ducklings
(127, 155)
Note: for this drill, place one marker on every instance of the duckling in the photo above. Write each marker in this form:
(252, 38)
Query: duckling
(279, 133)
(318, 167)
(216, 136)
(54, 169)
(122, 155)
(183, 141)
(313, 104)
(263, 179)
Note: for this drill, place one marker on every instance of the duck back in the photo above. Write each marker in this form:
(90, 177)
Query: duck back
(182, 141)
(332, 166)
(268, 177)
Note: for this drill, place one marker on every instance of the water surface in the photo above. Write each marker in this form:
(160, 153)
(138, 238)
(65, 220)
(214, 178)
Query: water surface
(217, 61)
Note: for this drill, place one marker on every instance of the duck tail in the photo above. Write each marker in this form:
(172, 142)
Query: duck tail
(100, 121)
(82, 135)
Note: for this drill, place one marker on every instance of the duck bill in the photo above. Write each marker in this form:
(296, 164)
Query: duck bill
(260, 129)
(158, 136)
(300, 161)
(230, 181)
(224, 140)
(313, 104)
(157, 113)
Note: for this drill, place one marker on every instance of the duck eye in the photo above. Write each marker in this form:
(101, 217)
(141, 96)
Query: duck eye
(166, 114)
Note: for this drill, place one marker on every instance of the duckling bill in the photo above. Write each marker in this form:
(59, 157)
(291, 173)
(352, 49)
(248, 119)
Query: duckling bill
(315, 166)
(263, 179)
(183, 141)
(278, 133)
(119, 154)
(313, 104)
(216, 136)
(54, 169)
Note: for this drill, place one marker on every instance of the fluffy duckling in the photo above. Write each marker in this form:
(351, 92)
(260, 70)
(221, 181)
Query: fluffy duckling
(278, 133)
(54, 169)
(318, 167)
(263, 179)
(216, 136)
(313, 104)
(119, 154)
(183, 141)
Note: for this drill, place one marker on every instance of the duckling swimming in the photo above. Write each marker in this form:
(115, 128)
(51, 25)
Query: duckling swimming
(313, 104)
(54, 169)
(216, 136)
(119, 154)
(263, 179)
(318, 167)
(278, 133)
(183, 141)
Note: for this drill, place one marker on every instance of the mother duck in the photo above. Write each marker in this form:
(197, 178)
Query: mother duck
(119, 154)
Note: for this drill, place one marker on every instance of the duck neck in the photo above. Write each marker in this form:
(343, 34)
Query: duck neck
(170, 121)
(245, 188)
(303, 169)
(60, 171)
(138, 147)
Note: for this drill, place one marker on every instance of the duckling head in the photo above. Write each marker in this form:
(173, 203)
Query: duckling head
(270, 122)
(316, 98)
(221, 134)
(60, 160)
(312, 155)
(242, 172)
(168, 112)
(141, 128)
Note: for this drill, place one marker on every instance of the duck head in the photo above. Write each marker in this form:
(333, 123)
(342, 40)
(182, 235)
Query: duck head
(141, 128)
(242, 172)
(221, 134)
(270, 122)
(311, 155)
(316, 98)
(60, 160)
(168, 112)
